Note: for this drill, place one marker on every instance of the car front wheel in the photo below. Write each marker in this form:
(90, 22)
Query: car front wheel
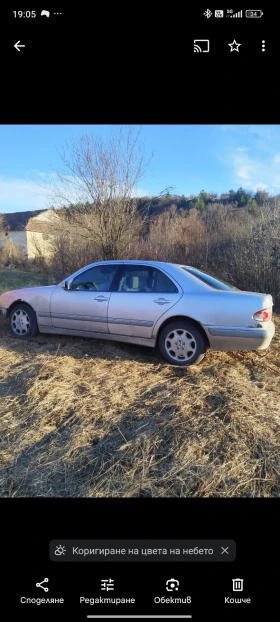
(182, 343)
(23, 322)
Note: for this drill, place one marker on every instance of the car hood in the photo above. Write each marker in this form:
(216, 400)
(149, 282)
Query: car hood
(27, 294)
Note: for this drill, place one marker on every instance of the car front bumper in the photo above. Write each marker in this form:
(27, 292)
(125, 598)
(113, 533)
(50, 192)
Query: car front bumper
(238, 338)
(3, 311)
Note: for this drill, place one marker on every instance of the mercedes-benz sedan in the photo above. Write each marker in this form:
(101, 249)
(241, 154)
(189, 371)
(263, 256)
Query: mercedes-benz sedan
(178, 308)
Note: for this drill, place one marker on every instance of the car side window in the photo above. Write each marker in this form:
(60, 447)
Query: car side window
(162, 284)
(133, 279)
(145, 279)
(97, 278)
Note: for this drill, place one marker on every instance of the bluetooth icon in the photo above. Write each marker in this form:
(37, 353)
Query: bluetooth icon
(208, 13)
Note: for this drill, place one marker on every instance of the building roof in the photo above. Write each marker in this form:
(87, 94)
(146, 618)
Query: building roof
(17, 221)
(43, 225)
(39, 226)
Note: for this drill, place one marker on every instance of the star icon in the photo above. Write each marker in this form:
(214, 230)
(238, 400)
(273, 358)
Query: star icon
(234, 46)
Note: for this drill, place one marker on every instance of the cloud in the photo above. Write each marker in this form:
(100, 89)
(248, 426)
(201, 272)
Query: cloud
(253, 173)
(260, 131)
(260, 186)
(243, 170)
(263, 131)
(139, 192)
(17, 195)
(252, 155)
(41, 192)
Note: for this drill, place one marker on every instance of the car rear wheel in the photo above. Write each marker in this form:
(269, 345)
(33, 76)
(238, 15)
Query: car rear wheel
(23, 322)
(182, 343)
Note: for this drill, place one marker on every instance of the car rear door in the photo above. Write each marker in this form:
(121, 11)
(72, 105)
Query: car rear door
(144, 293)
(84, 306)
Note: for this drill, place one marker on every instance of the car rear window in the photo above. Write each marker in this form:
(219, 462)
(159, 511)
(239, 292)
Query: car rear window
(210, 280)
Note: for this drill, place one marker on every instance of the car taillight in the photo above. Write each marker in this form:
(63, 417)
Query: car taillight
(264, 315)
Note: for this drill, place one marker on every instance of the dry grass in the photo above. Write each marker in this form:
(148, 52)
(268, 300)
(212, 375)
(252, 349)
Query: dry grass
(122, 423)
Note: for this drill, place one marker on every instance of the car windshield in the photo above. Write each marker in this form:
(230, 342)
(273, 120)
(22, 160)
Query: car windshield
(210, 280)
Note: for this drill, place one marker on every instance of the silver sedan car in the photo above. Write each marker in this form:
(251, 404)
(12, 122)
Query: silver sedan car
(178, 308)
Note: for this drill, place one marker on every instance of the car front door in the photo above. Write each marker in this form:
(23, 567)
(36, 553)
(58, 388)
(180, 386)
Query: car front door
(144, 293)
(84, 306)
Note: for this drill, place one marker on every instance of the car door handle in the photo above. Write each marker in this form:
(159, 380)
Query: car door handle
(101, 298)
(161, 301)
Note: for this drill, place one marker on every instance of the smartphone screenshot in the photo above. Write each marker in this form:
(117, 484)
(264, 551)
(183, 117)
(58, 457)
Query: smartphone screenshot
(139, 313)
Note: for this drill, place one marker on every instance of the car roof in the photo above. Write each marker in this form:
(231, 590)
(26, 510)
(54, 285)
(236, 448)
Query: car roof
(139, 261)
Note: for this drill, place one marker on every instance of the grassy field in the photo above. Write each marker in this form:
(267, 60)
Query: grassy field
(14, 279)
(89, 418)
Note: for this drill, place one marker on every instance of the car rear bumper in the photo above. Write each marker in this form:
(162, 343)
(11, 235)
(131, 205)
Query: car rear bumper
(238, 338)
(3, 311)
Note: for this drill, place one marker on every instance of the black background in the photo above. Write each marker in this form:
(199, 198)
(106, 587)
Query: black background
(110, 64)
(30, 524)
(136, 64)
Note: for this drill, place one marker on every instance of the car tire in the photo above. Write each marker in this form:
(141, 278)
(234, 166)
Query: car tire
(182, 343)
(23, 321)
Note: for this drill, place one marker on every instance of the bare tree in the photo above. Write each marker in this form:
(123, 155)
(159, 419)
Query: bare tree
(1, 222)
(3, 253)
(102, 175)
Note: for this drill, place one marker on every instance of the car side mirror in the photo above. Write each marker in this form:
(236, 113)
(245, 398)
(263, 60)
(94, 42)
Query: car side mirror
(64, 284)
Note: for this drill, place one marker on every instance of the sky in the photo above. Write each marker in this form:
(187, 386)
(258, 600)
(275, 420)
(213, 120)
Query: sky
(186, 158)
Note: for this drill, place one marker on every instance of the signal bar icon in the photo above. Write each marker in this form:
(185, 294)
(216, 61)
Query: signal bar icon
(239, 14)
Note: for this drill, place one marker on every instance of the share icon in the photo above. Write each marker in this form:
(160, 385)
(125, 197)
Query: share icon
(40, 585)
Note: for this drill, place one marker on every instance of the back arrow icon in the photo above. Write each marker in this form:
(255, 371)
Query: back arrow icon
(19, 45)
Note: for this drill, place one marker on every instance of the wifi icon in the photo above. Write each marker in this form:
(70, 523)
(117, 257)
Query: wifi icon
(201, 45)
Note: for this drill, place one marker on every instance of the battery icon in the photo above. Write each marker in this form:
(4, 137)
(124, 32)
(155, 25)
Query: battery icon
(253, 13)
